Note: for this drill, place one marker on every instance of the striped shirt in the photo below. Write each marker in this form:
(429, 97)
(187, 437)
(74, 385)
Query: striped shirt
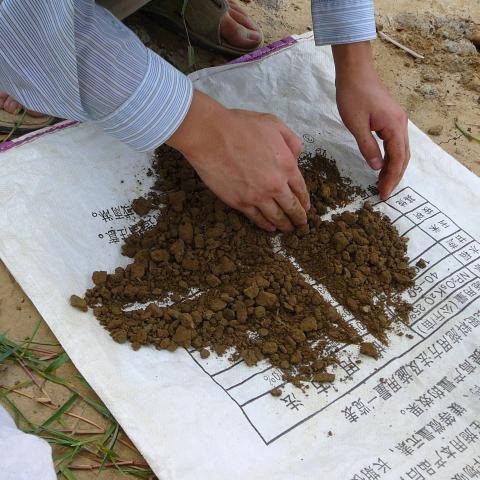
(73, 59)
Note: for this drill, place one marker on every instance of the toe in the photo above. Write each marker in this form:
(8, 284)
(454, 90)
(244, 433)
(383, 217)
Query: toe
(233, 5)
(12, 106)
(3, 97)
(237, 34)
(242, 18)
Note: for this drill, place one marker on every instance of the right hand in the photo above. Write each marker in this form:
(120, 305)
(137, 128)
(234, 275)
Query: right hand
(248, 159)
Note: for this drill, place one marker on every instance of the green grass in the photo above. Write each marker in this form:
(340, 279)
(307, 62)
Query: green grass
(73, 450)
(15, 127)
(466, 134)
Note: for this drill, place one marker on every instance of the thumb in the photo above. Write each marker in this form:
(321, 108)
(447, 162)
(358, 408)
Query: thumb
(368, 146)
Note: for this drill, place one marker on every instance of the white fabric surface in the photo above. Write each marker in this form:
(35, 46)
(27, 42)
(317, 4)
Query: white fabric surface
(190, 425)
(22, 456)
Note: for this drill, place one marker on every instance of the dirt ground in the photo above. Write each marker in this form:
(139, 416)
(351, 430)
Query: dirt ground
(433, 93)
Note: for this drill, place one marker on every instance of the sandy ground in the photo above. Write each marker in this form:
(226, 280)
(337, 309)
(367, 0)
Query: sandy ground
(432, 92)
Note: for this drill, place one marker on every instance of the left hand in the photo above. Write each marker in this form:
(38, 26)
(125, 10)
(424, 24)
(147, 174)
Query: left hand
(365, 106)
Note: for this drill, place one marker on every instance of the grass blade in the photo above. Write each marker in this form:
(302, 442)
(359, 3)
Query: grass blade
(466, 134)
(191, 56)
(18, 413)
(56, 416)
(8, 353)
(34, 334)
(57, 363)
(67, 473)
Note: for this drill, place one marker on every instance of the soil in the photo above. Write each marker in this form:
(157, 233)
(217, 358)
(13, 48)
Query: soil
(207, 278)
(278, 19)
(358, 256)
(448, 48)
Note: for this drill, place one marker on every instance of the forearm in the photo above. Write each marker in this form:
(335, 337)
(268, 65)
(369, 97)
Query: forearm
(352, 60)
(81, 63)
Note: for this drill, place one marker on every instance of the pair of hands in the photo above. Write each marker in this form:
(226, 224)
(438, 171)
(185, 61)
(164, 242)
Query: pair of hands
(249, 160)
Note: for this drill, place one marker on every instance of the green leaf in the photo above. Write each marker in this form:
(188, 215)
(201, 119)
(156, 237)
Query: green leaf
(64, 408)
(137, 472)
(9, 352)
(67, 458)
(18, 413)
(113, 430)
(67, 473)
(466, 134)
(63, 439)
(3, 337)
(97, 406)
(191, 57)
(33, 335)
(57, 363)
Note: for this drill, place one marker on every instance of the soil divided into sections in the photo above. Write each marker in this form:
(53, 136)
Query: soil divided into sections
(206, 277)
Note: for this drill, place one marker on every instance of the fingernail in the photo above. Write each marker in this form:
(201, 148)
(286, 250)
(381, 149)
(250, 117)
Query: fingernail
(376, 163)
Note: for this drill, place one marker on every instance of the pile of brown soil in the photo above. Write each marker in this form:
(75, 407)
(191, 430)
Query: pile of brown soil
(361, 260)
(223, 286)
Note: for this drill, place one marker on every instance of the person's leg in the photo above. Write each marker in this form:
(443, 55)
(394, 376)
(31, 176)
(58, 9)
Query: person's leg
(10, 105)
(236, 27)
(122, 8)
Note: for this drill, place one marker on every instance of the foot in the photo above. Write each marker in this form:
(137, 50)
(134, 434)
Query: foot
(238, 29)
(10, 105)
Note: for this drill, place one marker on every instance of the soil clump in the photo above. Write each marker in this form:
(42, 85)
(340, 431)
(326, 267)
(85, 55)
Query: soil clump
(207, 278)
(361, 260)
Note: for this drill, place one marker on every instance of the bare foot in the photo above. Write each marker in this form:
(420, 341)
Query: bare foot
(10, 105)
(238, 29)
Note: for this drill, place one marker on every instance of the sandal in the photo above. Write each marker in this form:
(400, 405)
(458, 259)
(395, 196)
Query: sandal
(22, 123)
(202, 19)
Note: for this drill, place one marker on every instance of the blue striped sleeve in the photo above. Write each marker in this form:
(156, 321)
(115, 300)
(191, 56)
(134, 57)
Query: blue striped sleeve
(338, 22)
(74, 60)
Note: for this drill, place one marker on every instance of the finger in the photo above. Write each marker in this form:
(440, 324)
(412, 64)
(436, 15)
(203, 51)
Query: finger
(395, 157)
(257, 217)
(292, 140)
(292, 207)
(368, 146)
(297, 184)
(275, 215)
(407, 150)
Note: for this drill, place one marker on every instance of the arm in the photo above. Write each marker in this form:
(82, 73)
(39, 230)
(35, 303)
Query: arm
(73, 59)
(363, 101)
